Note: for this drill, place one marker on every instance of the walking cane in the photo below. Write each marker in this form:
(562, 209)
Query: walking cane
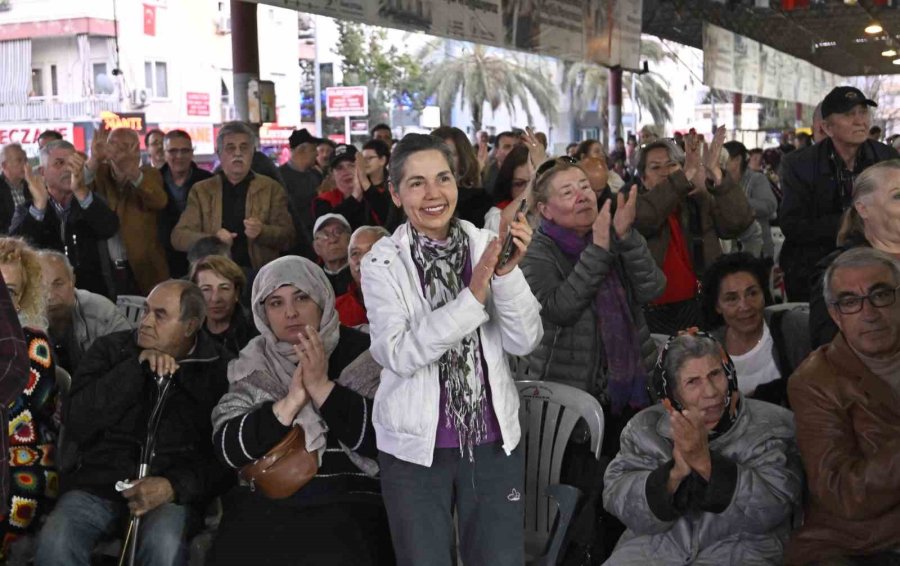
(129, 547)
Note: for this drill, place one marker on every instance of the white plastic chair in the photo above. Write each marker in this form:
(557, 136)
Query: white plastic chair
(548, 413)
(131, 307)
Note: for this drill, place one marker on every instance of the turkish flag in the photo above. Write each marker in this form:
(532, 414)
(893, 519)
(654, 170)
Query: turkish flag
(149, 20)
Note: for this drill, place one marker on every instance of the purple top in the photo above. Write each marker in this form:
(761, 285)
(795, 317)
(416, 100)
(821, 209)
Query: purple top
(447, 434)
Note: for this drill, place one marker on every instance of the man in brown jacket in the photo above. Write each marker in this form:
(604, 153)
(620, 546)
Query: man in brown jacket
(685, 205)
(846, 401)
(249, 212)
(136, 195)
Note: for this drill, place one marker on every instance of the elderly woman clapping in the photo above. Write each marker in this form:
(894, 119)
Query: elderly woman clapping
(444, 310)
(706, 476)
(284, 377)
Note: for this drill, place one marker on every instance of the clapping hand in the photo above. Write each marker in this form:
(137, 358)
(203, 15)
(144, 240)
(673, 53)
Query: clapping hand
(252, 227)
(691, 439)
(314, 365)
(37, 187)
(626, 210)
(711, 156)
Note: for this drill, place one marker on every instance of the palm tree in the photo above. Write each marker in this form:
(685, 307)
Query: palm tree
(478, 76)
(588, 84)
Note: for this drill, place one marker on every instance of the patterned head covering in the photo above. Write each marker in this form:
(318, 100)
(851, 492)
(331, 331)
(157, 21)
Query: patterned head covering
(663, 384)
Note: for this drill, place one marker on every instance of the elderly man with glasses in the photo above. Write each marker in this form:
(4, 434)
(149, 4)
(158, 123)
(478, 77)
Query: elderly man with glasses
(846, 399)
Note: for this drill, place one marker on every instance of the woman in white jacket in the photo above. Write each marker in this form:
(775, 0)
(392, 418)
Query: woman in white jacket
(444, 312)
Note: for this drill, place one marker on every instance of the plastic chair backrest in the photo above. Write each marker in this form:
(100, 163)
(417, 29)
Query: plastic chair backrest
(548, 412)
(131, 307)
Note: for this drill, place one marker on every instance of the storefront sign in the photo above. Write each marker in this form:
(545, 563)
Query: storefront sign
(131, 120)
(344, 101)
(26, 134)
(201, 136)
(198, 103)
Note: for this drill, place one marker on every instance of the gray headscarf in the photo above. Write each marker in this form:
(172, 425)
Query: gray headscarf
(264, 370)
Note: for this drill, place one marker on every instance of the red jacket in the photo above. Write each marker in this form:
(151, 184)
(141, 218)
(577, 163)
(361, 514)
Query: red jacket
(350, 307)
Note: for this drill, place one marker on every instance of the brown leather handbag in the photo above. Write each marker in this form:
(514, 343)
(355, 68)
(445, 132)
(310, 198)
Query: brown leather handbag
(284, 469)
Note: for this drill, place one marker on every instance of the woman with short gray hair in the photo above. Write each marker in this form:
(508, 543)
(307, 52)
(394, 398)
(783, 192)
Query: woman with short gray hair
(705, 476)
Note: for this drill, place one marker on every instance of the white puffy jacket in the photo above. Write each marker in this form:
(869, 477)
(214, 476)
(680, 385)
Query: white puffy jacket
(408, 339)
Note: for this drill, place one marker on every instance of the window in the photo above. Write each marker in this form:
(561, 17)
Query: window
(99, 70)
(37, 82)
(54, 84)
(156, 78)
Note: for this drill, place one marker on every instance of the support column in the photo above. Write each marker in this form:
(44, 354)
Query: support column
(615, 106)
(798, 115)
(738, 105)
(244, 52)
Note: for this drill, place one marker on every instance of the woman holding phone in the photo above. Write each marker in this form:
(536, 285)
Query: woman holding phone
(444, 313)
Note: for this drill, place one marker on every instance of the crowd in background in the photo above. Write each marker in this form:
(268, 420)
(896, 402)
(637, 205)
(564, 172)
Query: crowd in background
(374, 306)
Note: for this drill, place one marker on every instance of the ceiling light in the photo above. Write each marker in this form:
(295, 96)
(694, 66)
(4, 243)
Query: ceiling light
(874, 28)
(889, 53)
(896, 61)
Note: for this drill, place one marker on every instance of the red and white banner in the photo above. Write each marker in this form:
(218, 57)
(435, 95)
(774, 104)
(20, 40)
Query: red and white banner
(197, 103)
(26, 134)
(149, 20)
(344, 101)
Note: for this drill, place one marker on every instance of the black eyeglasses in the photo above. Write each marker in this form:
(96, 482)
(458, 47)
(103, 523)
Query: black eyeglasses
(880, 298)
(551, 163)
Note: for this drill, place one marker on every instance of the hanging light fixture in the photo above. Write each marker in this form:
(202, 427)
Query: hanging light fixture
(896, 61)
(874, 28)
(889, 53)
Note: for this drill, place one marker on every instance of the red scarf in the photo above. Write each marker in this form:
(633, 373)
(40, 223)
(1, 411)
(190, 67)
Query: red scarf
(682, 283)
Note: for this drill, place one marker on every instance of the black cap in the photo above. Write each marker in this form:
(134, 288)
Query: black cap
(842, 99)
(299, 137)
(342, 152)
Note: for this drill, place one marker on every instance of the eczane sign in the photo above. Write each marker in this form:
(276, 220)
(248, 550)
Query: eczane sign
(26, 134)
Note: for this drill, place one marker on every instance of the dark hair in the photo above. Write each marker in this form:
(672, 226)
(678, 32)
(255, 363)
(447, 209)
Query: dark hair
(193, 303)
(209, 245)
(674, 153)
(150, 133)
(570, 146)
(381, 126)
(503, 186)
(223, 267)
(50, 134)
(737, 149)
(723, 266)
(507, 134)
(468, 173)
(804, 139)
(583, 149)
(327, 141)
(754, 151)
(379, 147)
(176, 134)
(874, 130)
(414, 143)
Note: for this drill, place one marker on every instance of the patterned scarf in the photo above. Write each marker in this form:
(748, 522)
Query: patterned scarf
(459, 369)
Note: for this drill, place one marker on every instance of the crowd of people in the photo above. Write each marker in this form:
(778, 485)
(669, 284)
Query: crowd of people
(353, 321)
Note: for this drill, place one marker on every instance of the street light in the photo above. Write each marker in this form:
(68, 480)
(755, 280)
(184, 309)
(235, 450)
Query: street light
(889, 53)
(874, 28)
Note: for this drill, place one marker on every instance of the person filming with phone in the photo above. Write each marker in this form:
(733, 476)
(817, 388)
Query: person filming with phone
(446, 304)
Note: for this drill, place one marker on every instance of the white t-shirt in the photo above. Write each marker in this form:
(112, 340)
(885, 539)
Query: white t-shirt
(757, 366)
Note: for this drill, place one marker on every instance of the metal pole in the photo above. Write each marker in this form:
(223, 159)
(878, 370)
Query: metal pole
(347, 130)
(318, 80)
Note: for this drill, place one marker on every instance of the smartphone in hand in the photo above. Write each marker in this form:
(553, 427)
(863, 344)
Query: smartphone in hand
(508, 244)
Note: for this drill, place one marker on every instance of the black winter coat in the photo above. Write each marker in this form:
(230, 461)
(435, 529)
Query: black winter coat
(169, 217)
(106, 416)
(82, 239)
(7, 204)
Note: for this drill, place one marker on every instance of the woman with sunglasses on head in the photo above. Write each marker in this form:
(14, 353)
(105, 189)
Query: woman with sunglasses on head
(873, 220)
(591, 273)
(445, 310)
(706, 476)
(685, 206)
